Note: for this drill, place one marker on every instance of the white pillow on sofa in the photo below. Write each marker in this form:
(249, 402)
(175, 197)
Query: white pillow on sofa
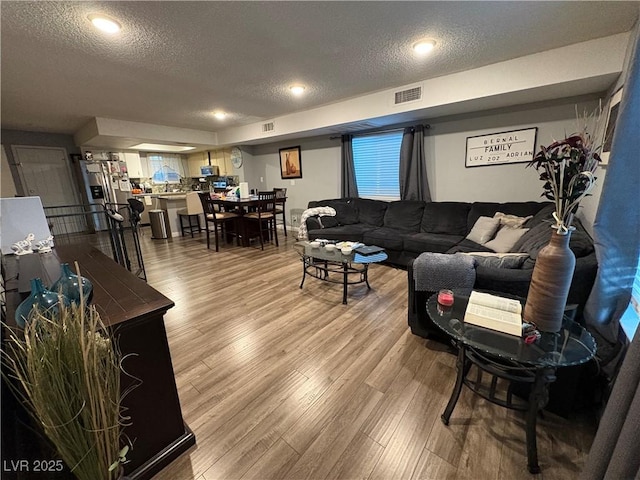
(505, 239)
(511, 221)
(484, 230)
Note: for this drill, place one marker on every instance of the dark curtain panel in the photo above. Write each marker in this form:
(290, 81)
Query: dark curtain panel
(616, 235)
(413, 171)
(614, 453)
(349, 186)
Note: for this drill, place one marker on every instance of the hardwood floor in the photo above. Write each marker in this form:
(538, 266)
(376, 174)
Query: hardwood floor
(283, 383)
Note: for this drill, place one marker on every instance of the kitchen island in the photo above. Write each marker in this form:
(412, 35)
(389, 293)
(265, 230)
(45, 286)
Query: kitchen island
(170, 202)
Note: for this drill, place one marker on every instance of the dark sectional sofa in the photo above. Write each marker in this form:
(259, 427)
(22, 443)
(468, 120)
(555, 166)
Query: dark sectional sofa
(405, 229)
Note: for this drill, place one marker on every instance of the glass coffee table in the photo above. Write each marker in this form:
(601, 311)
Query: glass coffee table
(510, 358)
(333, 266)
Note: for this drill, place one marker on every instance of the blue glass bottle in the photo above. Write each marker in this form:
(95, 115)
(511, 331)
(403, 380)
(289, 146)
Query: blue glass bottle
(69, 285)
(45, 299)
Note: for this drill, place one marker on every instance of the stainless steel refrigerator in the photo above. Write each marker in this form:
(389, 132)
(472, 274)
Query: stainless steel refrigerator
(106, 182)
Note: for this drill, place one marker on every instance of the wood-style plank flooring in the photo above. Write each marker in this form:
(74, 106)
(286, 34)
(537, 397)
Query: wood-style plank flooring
(279, 382)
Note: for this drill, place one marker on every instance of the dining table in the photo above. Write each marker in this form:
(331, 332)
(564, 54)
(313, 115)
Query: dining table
(241, 206)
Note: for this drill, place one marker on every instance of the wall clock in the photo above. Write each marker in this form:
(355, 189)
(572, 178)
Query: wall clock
(236, 157)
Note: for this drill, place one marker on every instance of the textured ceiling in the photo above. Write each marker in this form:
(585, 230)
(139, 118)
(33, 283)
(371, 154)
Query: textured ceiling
(175, 62)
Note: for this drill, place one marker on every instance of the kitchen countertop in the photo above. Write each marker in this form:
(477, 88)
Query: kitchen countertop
(160, 194)
(173, 197)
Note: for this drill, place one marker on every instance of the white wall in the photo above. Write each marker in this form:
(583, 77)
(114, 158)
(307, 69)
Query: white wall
(445, 145)
(589, 206)
(320, 162)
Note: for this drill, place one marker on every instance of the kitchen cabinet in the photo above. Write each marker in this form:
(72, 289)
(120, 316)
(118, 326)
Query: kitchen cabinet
(222, 158)
(195, 161)
(134, 164)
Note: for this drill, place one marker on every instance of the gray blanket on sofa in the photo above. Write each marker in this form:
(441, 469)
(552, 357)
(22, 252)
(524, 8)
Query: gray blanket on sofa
(434, 271)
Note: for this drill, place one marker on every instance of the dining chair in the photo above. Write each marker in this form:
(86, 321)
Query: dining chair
(212, 214)
(265, 215)
(193, 210)
(281, 199)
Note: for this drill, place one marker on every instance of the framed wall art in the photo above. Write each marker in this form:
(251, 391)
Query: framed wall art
(610, 126)
(515, 146)
(290, 162)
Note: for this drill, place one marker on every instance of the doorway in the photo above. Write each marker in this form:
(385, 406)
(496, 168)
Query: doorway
(45, 172)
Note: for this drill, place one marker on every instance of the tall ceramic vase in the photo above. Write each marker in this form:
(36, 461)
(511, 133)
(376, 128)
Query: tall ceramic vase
(550, 284)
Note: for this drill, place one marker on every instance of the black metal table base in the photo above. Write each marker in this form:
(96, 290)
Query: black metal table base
(321, 269)
(540, 378)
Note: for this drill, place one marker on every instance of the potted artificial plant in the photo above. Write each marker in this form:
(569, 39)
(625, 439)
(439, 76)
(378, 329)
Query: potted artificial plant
(66, 369)
(567, 169)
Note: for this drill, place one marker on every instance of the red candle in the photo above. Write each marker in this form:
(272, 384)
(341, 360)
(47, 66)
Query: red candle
(445, 297)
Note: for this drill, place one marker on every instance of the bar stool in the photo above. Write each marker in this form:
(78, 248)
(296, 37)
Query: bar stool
(193, 210)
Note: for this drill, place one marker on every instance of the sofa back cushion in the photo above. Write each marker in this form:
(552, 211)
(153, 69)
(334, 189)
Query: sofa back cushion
(346, 211)
(404, 215)
(539, 235)
(489, 209)
(445, 217)
(371, 212)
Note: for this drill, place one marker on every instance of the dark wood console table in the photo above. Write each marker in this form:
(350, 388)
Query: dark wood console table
(134, 312)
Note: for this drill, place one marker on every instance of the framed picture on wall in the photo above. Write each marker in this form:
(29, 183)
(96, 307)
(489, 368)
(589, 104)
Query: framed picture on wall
(515, 146)
(612, 118)
(290, 162)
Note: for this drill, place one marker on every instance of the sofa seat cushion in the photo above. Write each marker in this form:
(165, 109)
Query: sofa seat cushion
(445, 217)
(497, 260)
(467, 245)
(404, 215)
(430, 242)
(384, 237)
(351, 233)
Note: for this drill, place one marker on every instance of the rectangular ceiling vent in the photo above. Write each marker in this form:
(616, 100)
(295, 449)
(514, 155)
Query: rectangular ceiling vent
(352, 127)
(268, 127)
(410, 95)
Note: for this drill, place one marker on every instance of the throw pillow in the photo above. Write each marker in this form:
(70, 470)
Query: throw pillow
(483, 230)
(505, 239)
(511, 221)
(497, 260)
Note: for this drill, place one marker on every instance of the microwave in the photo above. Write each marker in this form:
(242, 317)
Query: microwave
(207, 170)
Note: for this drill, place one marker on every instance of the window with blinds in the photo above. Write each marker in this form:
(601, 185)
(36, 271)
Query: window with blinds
(376, 160)
(631, 317)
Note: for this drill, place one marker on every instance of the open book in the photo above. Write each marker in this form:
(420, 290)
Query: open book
(494, 312)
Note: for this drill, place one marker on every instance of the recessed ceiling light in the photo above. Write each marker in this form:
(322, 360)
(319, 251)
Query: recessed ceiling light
(220, 115)
(297, 90)
(104, 23)
(424, 46)
(159, 147)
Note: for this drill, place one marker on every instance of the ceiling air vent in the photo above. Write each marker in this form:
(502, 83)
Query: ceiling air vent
(409, 95)
(268, 127)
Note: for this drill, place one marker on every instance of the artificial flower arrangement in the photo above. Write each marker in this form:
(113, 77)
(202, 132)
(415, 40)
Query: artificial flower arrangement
(567, 167)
